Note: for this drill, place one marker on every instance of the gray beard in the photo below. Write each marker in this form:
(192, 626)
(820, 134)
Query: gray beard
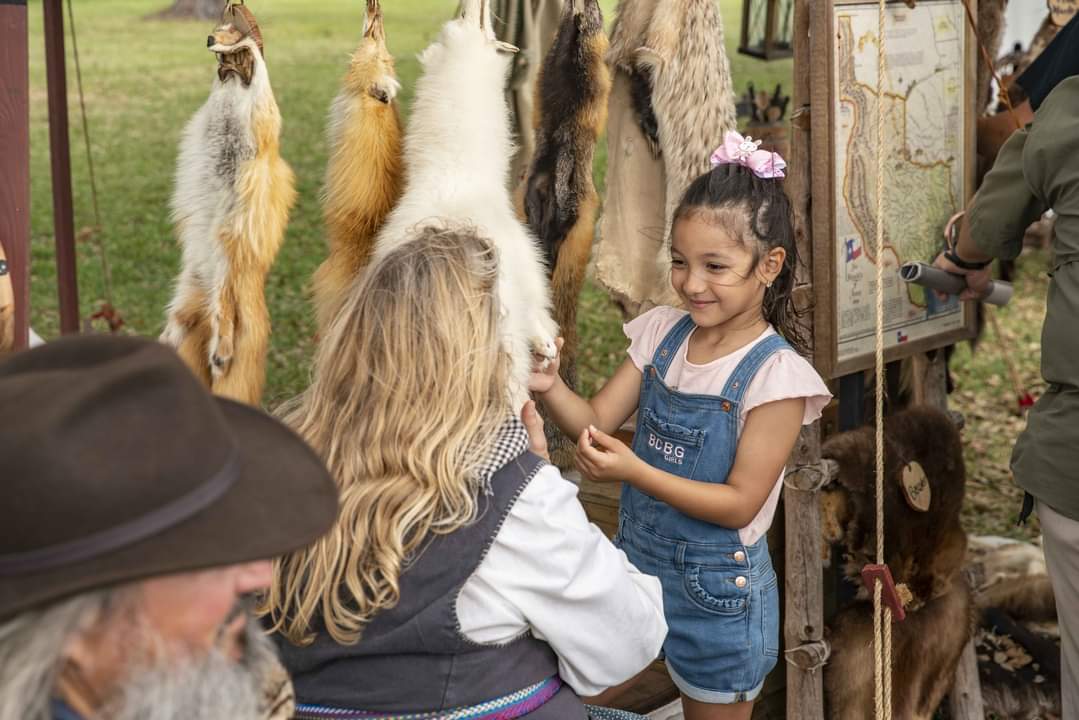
(210, 686)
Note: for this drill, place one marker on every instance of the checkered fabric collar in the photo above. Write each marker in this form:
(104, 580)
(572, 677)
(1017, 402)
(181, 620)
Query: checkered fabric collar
(512, 440)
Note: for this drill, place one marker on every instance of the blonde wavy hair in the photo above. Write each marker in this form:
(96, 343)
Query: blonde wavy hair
(409, 391)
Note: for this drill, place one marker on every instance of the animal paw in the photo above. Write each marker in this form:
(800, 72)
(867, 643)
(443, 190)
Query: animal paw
(384, 89)
(220, 355)
(173, 334)
(544, 347)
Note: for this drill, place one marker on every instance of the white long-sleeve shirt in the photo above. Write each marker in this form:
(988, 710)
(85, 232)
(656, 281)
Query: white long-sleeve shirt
(550, 571)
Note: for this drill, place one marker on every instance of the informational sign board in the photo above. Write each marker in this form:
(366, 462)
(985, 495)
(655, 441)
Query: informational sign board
(928, 102)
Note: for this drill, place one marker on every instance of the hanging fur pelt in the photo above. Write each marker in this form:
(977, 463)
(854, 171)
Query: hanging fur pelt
(925, 551)
(457, 156)
(364, 175)
(680, 88)
(990, 31)
(230, 208)
(558, 198)
(925, 653)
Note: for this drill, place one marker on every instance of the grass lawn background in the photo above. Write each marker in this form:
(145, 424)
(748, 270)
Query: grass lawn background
(143, 79)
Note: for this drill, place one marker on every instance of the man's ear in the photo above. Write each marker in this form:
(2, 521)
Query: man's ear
(771, 264)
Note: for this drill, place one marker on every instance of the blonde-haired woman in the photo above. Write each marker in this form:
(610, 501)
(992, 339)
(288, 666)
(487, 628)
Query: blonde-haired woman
(462, 575)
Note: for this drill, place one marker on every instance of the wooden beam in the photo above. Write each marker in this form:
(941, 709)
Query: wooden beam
(15, 158)
(965, 699)
(803, 624)
(60, 154)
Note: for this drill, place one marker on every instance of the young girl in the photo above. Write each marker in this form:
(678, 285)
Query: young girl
(462, 577)
(720, 398)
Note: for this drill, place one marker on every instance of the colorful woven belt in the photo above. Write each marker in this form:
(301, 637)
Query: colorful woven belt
(507, 707)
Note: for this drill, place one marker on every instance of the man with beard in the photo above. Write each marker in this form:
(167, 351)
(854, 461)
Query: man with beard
(137, 517)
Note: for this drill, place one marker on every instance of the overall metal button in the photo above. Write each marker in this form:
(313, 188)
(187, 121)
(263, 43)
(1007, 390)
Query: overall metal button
(740, 581)
(739, 556)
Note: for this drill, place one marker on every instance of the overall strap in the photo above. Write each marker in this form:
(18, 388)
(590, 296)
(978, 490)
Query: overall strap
(664, 354)
(750, 364)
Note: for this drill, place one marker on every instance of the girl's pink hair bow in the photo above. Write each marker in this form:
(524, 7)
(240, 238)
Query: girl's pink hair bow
(738, 150)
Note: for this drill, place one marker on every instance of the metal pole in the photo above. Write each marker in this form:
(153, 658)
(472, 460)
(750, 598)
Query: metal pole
(15, 157)
(62, 206)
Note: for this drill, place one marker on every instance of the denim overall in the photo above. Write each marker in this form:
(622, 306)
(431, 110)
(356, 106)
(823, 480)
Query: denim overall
(719, 596)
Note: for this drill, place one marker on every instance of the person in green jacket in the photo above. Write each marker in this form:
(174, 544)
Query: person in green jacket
(1038, 169)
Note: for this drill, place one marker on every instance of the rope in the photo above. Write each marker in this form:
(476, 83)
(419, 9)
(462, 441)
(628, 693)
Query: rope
(882, 637)
(106, 274)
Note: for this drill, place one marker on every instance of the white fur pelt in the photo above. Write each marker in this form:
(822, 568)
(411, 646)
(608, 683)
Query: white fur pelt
(230, 208)
(457, 157)
(679, 46)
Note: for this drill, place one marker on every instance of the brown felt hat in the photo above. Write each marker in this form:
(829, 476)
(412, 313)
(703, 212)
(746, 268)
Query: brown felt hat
(116, 464)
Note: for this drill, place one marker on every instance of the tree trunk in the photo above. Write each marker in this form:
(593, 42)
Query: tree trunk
(192, 9)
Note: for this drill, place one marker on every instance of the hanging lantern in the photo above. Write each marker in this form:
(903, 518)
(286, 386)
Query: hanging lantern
(767, 28)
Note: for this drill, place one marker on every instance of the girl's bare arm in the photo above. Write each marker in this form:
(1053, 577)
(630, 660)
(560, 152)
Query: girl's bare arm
(611, 406)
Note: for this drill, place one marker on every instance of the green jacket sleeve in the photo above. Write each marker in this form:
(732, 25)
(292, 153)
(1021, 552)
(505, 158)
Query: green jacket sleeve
(1005, 204)
(1035, 170)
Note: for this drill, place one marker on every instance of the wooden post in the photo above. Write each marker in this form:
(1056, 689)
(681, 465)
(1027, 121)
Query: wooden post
(930, 379)
(803, 626)
(60, 154)
(965, 700)
(15, 158)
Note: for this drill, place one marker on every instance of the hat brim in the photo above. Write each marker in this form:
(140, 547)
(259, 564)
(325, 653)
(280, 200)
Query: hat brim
(284, 499)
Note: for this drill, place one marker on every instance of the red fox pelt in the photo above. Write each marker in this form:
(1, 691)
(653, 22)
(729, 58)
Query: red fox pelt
(558, 197)
(364, 175)
(230, 208)
(457, 158)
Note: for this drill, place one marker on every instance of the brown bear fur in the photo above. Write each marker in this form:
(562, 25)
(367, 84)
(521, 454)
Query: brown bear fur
(924, 550)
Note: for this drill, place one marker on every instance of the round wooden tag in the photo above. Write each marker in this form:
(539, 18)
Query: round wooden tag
(916, 487)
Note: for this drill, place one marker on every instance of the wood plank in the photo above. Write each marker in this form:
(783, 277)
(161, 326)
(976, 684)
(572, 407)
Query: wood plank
(60, 154)
(965, 700)
(15, 159)
(803, 589)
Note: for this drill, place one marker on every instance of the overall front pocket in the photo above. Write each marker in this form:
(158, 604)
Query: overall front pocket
(721, 591)
(668, 446)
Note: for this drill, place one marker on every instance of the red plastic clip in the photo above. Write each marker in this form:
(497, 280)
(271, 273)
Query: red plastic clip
(888, 595)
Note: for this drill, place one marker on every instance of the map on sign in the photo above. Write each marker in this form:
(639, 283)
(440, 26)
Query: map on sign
(925, 165)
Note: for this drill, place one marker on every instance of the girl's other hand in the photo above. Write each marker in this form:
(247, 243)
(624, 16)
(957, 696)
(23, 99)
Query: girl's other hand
(543, 379)
(604, 458)
(537, 441)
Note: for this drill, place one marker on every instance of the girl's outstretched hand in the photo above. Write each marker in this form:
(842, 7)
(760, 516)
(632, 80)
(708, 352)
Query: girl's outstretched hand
(542, 380)
(604, 458)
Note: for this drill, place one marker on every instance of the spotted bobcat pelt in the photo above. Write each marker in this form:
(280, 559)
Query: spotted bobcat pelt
(365, 172)
(675, 55)
(230, 208)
